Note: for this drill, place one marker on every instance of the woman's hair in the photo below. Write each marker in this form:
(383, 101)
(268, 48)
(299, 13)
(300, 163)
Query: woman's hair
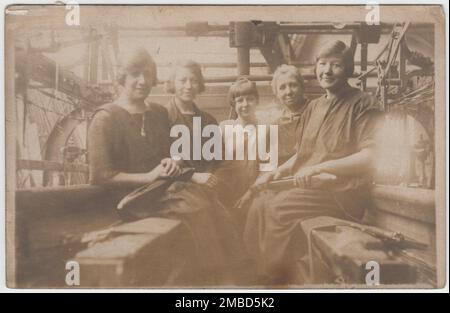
(286, 69)
(194, 67)
(241, 87)
(133, 60)
(338, 48)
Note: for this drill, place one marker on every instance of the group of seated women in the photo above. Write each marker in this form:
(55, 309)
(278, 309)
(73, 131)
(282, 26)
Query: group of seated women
(238, 225)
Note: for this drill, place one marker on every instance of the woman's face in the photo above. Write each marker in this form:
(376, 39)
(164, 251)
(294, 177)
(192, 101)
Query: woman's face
(186, 85)
(330, 72)
(245, 106)
(288, 91)
(138, 83)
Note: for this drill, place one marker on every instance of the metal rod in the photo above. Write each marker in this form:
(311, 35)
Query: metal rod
(93, 62)
(171, 34)
(217, 65)
(402, 66)
(243, 60)
(255, 65)
(364, 48)
(367, 73)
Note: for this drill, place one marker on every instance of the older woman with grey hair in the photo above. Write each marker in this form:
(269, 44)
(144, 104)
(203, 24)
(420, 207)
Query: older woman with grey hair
(288, 90)
(336, 136)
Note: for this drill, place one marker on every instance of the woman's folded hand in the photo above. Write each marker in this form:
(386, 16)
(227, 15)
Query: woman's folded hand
(313, 177)
(303, 177)
(171, 167)
(265, 178)
(205, 178)
(158, 172)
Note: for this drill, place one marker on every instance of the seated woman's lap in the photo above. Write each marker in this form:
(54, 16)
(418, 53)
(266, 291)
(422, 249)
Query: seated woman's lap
(273, 234)
(215, 236)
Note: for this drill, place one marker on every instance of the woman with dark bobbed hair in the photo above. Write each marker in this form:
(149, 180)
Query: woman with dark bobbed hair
(335, 136)
(186, 82)
(217, 242)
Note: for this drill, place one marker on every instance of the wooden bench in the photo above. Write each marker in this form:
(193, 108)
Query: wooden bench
(49, 223)
(56, 225)
(339, 252)
(153, 252)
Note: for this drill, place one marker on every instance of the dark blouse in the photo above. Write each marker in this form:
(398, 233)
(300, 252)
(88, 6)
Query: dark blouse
(287, 139)
(287, 122)
(348, 126)
(116, 142)
(178, 118)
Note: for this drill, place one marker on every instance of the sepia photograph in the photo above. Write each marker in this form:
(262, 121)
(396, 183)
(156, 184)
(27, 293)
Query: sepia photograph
(225, 146)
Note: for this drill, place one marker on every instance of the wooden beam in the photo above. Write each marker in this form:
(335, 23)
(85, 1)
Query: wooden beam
(285, 48)
(261, 78)
(51, 166)
(270, 58)
(413, 203)
(12, 141)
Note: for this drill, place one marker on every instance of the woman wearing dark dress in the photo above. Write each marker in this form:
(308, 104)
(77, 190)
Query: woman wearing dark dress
(335, 135)
(128, 140)
(218, 244)
(185, 83)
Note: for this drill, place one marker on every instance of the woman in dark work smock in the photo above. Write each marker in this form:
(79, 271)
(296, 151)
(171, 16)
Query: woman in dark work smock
(335, 135)
(128, 140)
(218, 244)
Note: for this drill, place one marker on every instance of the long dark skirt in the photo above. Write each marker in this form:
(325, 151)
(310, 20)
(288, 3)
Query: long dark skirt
(218, 246)
(273, 236)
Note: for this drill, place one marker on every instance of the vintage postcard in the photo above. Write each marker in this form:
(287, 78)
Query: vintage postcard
(221, 146)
